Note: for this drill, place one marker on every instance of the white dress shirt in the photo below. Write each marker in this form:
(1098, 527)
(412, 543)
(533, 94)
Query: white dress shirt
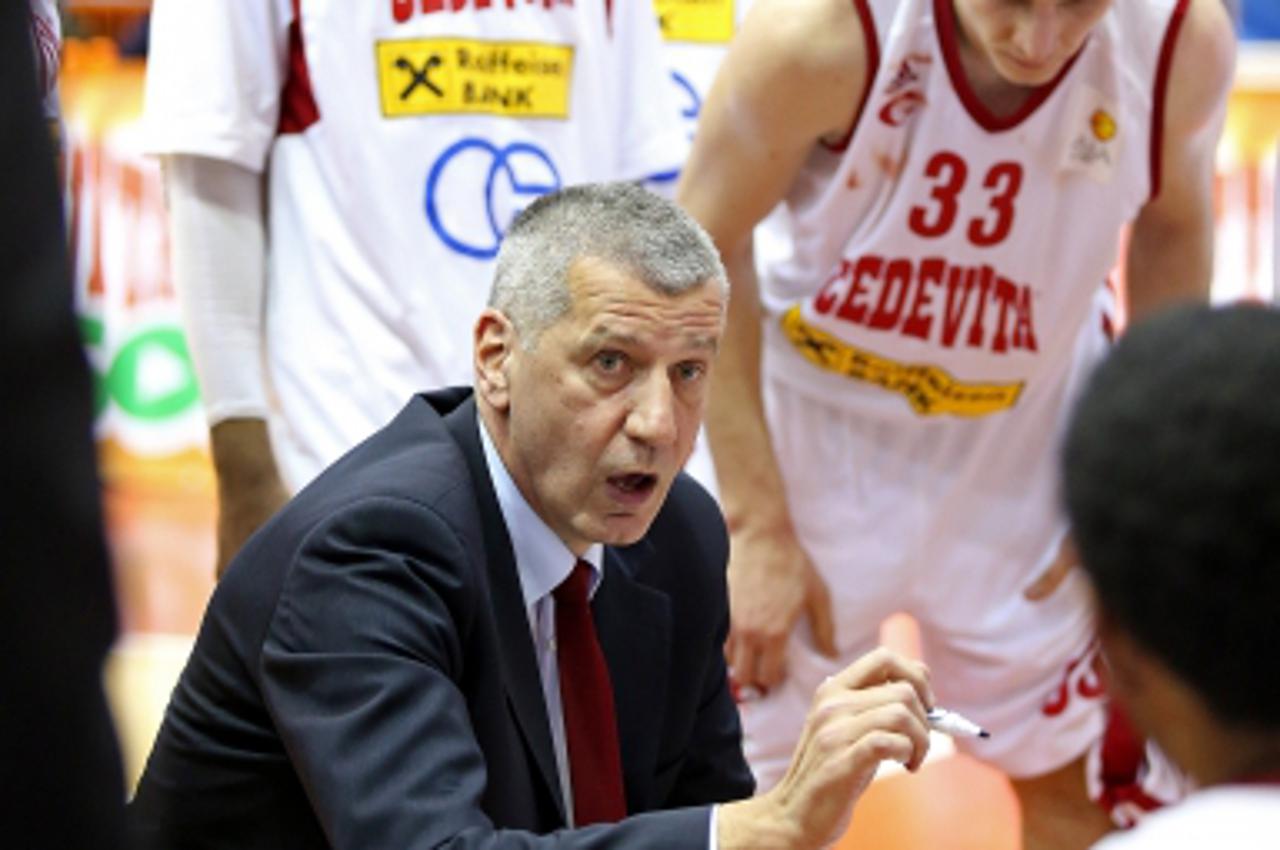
(542, 562)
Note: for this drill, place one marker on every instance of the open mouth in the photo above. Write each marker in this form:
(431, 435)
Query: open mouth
(635, 486)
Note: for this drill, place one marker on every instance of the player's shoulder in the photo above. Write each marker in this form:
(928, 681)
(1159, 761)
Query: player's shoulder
(1206, 26)
(800, 63)
(809, 36)
(1203, 64)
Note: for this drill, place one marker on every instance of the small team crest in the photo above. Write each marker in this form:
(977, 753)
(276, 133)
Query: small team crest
(904, 94)
(1095, 137)
(1103, 125)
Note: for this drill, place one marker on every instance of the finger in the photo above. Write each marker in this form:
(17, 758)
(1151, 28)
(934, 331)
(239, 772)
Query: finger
(852, 703)
(1049, 580)
(1066, 557)
(900, 719)
(881, 745)
(894, 719)
(742, 691)
(883, 665)
(743, 664)
(821, 620)
(771, 662)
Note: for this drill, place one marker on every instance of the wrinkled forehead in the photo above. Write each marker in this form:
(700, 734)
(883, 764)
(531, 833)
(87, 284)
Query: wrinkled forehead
(606, 299)
(592, 280)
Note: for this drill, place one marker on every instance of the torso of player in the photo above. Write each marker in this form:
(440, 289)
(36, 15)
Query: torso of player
(435, 123)
(946, 259)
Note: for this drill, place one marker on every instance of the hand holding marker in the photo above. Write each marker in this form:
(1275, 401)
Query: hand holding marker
(940, 719)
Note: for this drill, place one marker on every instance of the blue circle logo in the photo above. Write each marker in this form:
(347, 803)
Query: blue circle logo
(505, 179)
(688, 94)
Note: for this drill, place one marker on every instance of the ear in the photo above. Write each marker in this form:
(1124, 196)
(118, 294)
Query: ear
(495, 342)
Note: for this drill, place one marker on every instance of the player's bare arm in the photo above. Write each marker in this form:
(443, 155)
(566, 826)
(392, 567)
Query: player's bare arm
(1171, 252)
(793, 78)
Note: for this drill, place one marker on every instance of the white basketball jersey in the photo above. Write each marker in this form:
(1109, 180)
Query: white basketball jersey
(1231, 817)
(403, 136)
(945, 261)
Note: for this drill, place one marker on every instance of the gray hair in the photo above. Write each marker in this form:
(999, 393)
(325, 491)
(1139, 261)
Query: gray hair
(621, 224)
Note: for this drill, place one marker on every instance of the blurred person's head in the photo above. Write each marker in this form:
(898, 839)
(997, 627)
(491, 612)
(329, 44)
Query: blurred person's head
(593, 357)
(1172, 482)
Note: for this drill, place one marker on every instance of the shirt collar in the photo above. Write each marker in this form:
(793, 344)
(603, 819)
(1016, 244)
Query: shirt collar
(542, 558)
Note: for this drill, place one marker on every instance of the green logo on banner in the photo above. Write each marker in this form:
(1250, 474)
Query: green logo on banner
(150, 377)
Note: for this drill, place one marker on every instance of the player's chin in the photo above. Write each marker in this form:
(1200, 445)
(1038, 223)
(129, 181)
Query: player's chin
(1027, 74)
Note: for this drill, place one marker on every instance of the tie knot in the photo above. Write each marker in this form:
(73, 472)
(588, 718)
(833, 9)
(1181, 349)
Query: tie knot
(573, 590)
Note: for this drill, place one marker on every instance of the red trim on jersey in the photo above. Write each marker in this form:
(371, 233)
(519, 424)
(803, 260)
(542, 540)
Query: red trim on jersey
(949, 40)
(608, 16)
(1122, 756)
(873, 68)
(298, 109)
(1158, 96)
(1108, 323)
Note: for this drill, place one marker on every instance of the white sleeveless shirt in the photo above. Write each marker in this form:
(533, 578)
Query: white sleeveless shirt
(945, 261)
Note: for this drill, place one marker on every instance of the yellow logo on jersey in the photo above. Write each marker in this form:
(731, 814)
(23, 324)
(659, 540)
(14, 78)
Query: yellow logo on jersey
(1103, 125)
(451, 76)
(696, 20)
(929, 389)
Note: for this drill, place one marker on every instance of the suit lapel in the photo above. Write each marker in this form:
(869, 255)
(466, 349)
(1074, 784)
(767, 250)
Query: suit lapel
(634, 624)
(520, 666)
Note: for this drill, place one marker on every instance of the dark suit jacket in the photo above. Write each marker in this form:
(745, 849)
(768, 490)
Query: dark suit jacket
(365, 676)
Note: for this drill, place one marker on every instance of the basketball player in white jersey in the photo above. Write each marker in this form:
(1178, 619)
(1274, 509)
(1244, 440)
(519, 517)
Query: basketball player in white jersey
(1172, 483)
(339, 175)
(956, 174)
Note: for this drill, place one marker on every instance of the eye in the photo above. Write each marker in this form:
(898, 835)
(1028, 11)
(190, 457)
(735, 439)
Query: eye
(610, 362)
(690, 371)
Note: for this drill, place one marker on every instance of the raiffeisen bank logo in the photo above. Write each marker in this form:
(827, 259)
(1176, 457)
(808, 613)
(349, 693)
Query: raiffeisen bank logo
(476, 188)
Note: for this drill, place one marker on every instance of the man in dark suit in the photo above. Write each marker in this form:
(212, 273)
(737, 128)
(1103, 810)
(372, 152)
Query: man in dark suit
(385, 665)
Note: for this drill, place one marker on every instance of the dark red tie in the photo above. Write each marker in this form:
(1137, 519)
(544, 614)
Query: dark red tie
(586, 699)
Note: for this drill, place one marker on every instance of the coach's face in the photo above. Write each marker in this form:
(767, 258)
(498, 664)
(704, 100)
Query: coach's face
(597, 417)
(1027, 41)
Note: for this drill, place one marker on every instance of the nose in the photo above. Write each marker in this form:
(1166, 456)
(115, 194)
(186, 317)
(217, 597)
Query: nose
(1037, 33)
(652, 417)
